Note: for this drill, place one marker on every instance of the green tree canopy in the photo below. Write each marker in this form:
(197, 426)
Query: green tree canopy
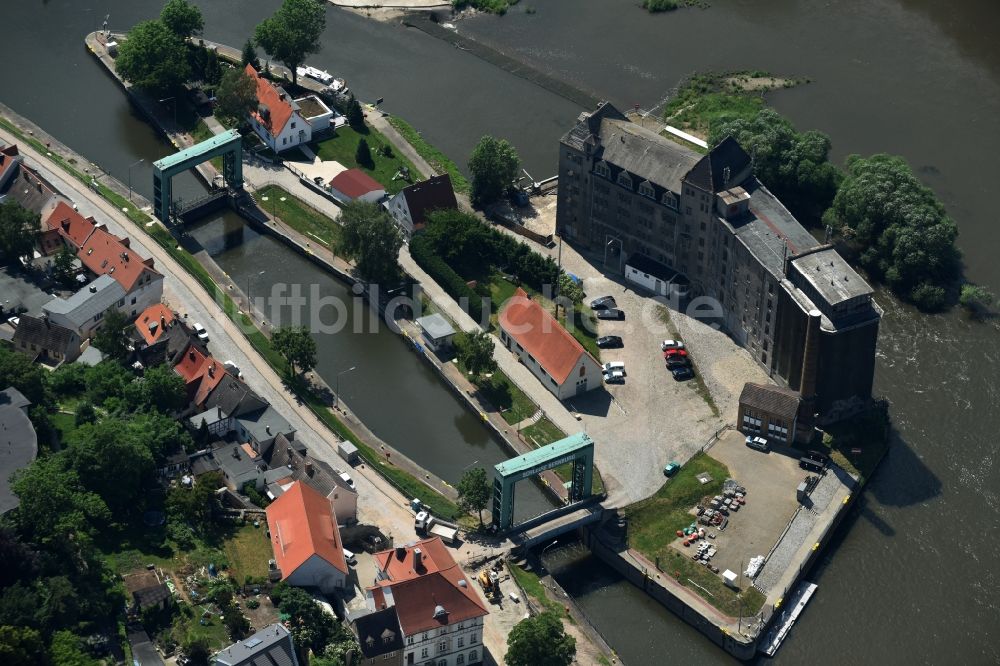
(67, 650)
(355, 115)
(475, 352)
(293, 32)
(249, 56)
(160, 433)
(111, 462)
(312, 628)
(363, 155)
(236, 95)
(794, 166)
(21, 646)
(474, 491)
(297, 345)
(55, 507)
(494, 165)
(18, 227)
(540, 641)
(898, 227)
(107, 380)
(64, 267)
(153, 57)
(372, 239)
(18, 371)
(570, 289)
(194, 505)
(114, 335)
(160, 388)
(182, 18)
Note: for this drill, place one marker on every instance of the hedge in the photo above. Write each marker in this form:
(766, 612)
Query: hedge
(444, 275)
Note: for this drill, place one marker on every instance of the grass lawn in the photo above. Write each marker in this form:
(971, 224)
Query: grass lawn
(343, 146)
(64, 423)
(710, 586)
(248, 551)
(584, 328)
(654, 521)
(532, 586)
(434, 157)
(868, 432)
(707, 99)
(300, 216)
(514, 405)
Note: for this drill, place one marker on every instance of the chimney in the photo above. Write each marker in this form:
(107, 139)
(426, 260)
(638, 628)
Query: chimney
(220, 411)
(211, 370)
(163, 322)
(93, 289)
(267, 428)
(417, 561)
(309, 468)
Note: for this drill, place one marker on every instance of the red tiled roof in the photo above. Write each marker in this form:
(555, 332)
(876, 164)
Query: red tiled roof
(527, 322)
(201, 373)
(72, 226)
(417, 591)
(302, 524)
(355, 183)
(104, 253)
(153, 321)
(8, 158)
(279, 110)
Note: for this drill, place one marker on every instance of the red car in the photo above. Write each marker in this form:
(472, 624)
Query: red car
(675, 352)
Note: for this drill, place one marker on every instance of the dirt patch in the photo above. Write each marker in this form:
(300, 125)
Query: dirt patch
(759, 83)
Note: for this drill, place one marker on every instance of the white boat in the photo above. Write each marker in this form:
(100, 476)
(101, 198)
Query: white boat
(313, 73)
(338, 87)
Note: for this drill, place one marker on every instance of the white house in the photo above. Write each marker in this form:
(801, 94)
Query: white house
(306, 540)
(653, 276)
(439, 610)
(84, 311)
(409, 207)
(547, 349)
(277, 120)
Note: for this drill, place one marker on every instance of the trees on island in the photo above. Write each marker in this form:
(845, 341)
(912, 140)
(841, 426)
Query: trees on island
(494, 165)
(293, 32)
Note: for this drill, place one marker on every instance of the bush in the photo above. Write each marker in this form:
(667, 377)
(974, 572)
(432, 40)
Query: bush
(444, 275)
(659, 5)
(928, 297)
(976, 298)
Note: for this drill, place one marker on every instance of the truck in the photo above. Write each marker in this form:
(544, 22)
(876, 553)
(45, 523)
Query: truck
(348, 452)
(448, 534)
(425, 525)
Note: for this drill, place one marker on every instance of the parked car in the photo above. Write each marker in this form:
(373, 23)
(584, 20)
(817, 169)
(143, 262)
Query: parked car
(671, 344)
(346, 478)
(350, 558)
(200, 331)
(678, 362)
(14, 321)
(674, 352)
(610, 342)
(671, 469)
(610, 313)
(810, 465)
(758, 443)
(613, 366)
(682, 373)
(614, 377)
(603, 303)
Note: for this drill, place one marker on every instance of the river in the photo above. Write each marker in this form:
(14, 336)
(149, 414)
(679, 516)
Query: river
(913, 575)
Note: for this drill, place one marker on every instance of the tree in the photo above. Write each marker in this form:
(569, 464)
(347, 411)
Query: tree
(312, 628)
(67, 650)
(570, 289)
(293, 32)
(540, 641)
(363, 155)
(194, 505)
(474, 491)
(249, 56)
(18, 227)
(298, 347)
(793, 165)
(153, 58)
(85, 413)
(372, 240)
(113, 337)
(475, 352)
(213, 68)
(55, 507)
(976, 298)
(160, 388)
(107, 380)
(18, 371)
(21, 646)
(236, 95)
(162, 434)
(494, 165)
(355, 115)
(898, 227)
(111, 462)
(64, 267)
(182, 18)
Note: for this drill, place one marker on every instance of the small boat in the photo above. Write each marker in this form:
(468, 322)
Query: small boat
(316, 74)
(338, 87)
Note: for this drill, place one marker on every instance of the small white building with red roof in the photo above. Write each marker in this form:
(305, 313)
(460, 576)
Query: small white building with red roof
(551, 352)
(306, 540)
(356, 185)
(439, 610)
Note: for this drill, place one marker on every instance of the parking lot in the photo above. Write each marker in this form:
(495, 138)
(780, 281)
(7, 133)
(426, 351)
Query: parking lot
(651, 419)
(770, 480)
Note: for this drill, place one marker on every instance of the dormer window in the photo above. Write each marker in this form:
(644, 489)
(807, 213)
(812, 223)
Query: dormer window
(625, 180)
(669, 200)
(602, 170)
(646, 190)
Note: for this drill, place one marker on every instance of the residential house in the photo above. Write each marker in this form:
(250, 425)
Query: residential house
(201, 373)
(306, 540)
(293, 457)
(160, 337)
(28, 188)
(143, 651)
(10, 160)
(240, 465)
(626, 190)
(153, 322)
(84, 311)
(147, 590)
(103, 253)
(43, 339)
(547, 349)
(282, 122)
(379, 637)
(440, 613)
(68, 226)
(230, 406)
(271, 646)
(410, 206)
(355, 185)
(19, 434)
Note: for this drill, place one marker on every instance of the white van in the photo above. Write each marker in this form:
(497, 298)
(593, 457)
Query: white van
(614, 366)
(349, 556)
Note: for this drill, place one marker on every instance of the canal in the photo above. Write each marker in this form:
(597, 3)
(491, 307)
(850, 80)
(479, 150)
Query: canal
(920, 78)
(398, 396)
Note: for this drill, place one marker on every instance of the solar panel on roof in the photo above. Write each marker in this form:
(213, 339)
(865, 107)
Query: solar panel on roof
(253, 642)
